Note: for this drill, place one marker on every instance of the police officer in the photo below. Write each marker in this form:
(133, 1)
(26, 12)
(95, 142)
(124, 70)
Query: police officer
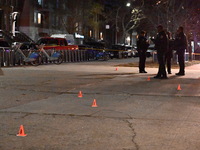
(181, 46)
(142, 46)
(161, 45)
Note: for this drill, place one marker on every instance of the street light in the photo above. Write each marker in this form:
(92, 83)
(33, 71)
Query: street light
(128, 4)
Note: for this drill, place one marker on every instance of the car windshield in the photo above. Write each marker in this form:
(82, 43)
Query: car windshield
(4, 44)
(49, 41)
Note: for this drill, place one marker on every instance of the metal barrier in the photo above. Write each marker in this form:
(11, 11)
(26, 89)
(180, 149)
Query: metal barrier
(195, 56)
(8, 57)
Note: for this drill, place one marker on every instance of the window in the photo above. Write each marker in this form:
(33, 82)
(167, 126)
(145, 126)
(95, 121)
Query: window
(48, 41)
(62, 43)
(40, 2)
(76, 26)
(37, 18)
(65, 43)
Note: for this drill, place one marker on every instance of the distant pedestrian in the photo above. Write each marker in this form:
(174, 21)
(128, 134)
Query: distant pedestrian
(142, 46)
(161, 44)
(181, 46)
(169, 53)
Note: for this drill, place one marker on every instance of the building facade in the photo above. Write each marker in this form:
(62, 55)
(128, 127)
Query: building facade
(35, 18)
(39, 18)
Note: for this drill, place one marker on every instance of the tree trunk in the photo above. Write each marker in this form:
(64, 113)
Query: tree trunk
(195, 40)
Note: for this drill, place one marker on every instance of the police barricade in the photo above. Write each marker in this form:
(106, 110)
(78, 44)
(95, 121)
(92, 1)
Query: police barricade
(175, 57)
(67, 56)
(72, 56)
(9, 58)
(155, 59)
(75, 56)
(196, 56)
(6, 57)
(1, 57)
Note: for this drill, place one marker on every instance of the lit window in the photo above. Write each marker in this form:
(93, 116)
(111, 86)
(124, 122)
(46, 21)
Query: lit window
(76, 26)
(90, 33)
(39, 18)
(101, 35)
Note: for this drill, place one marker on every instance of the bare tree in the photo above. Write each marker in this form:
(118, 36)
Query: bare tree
(125, 19)
(169, 13)
(130, 21)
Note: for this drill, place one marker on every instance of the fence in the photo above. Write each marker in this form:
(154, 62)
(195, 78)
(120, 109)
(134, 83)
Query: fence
(195, 56)
(8, 57)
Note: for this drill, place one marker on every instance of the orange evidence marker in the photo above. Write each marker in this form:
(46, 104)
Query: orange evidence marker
(179, 87)
(80, 94)
(21, 131)
(148, 79)
(94, 104)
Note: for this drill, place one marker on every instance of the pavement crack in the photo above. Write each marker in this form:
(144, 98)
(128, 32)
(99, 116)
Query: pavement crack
(70, 115)
(130, 125)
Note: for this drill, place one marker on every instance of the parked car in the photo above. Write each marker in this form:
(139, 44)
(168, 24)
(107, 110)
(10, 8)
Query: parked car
(95, 52)
(132, 52)
(148, 53)
(150, 50)
(118, 51)
(4, 45)
(56, 43)
(27, 45)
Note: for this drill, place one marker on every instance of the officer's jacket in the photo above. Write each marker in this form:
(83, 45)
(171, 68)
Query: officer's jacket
(142, 44)
(180, 42)
(161, 42)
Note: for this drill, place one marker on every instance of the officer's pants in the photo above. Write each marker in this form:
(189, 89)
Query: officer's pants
(168, 58)
(161, 62)
(142, 57)
(181, 61)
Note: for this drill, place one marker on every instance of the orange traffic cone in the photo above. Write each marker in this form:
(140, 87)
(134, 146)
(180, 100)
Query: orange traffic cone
(21, 131)
(80, 94)
(148, 79)
(116, 69)
(179, 87)
(94, 104)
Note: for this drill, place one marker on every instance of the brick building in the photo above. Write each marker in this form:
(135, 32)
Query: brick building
(35, 18)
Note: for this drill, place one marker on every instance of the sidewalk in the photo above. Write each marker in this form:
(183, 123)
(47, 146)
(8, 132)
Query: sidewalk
(194, 67)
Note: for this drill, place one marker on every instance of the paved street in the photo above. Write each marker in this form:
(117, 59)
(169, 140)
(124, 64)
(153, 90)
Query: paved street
(132, 113)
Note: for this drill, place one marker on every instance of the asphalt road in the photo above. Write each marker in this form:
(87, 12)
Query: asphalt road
(132, 113)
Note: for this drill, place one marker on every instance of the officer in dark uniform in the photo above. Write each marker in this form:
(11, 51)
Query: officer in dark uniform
(161, 45)
(169, 53)
(142, 46)
(181, 45)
